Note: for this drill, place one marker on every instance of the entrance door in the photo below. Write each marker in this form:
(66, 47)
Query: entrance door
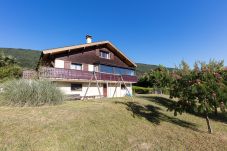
(104, 90)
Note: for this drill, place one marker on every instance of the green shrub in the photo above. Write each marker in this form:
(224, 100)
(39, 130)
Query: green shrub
(166, 91)
(141, 90)
(31, 93)
(10, 72)
(161, 91)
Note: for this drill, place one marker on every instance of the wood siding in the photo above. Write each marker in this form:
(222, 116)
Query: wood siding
(104, 90)
(67, 64)
(85, 67)
(89, 56)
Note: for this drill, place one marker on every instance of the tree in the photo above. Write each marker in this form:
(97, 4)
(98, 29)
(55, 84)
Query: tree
(224, 75)
(10, 72)
(161, 77)
(157, 78)
(6, 60)
(8, 68)
(144, 80)
(201, 89)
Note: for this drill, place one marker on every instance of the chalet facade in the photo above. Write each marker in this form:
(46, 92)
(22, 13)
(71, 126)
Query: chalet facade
(93, 69)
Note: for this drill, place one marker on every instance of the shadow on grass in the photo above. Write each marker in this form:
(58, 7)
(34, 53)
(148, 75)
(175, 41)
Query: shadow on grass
(159, 100)
(153, 114)
(165, 102)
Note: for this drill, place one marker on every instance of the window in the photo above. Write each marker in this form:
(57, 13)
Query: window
(76, 66)
(106, 69)
(76, 87)
(123, 71)
(96, 68)
(116, 70)
(104, 54)
(123, 87)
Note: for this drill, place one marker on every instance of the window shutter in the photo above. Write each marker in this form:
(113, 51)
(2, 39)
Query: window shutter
(97, 52)
(85, 67)
(111, 56)
(67, 64)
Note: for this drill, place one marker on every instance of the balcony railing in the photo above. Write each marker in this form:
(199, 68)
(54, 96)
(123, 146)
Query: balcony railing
(70, 74)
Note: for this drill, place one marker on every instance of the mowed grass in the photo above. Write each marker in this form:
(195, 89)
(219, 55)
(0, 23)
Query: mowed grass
(107, 124)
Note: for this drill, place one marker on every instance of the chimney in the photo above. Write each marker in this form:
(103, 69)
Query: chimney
(88, 39)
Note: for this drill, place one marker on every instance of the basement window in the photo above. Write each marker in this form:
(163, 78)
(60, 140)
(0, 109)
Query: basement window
(104, 54)
(76, 87)
(123, 87)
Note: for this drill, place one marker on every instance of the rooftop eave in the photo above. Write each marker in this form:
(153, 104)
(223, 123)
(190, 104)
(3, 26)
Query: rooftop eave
(70, 48)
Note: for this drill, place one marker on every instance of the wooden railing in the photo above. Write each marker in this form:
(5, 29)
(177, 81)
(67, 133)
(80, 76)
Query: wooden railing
(64, 74)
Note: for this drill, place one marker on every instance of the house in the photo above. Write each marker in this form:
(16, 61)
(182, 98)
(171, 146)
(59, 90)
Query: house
(92, 69)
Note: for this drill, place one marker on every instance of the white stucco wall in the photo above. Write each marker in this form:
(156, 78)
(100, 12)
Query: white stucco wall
(59, 63)
(93, 90)
(90, 67)
(119, 92)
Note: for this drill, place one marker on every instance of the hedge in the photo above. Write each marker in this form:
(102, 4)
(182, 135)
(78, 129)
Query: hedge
(143, 90)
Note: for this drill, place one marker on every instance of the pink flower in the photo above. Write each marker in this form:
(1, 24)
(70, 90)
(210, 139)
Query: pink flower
(176, 76)
(214, 94)
(198, 81)
(217, 75)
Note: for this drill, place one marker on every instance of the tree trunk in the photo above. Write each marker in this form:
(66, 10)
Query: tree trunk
(216, 111)
(208, 124)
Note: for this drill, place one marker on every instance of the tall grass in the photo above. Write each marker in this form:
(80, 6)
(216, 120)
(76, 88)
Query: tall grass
(31, 93)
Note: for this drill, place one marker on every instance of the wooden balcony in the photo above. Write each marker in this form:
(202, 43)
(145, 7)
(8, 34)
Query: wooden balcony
(70, 74)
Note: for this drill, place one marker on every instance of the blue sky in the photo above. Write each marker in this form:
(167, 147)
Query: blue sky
(154, 32)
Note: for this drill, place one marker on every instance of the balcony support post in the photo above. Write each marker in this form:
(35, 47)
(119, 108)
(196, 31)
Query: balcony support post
(118, 82)
(126, 88)
(97, 84)
(89, 84)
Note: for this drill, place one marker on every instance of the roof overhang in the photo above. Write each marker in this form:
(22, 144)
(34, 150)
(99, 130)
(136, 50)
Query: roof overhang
(78, 47)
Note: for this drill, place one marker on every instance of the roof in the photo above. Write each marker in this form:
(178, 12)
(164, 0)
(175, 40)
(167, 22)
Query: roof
(77, 47)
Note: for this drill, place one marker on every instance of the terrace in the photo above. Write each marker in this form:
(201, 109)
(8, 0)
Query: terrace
(71, 74)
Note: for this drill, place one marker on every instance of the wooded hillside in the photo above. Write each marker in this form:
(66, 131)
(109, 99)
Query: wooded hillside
(28, 58)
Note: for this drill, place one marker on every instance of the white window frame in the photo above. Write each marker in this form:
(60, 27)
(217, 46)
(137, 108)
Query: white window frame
(75, 65)
(104, 52)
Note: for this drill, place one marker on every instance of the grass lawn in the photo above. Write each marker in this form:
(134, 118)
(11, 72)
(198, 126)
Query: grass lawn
(107, 124)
